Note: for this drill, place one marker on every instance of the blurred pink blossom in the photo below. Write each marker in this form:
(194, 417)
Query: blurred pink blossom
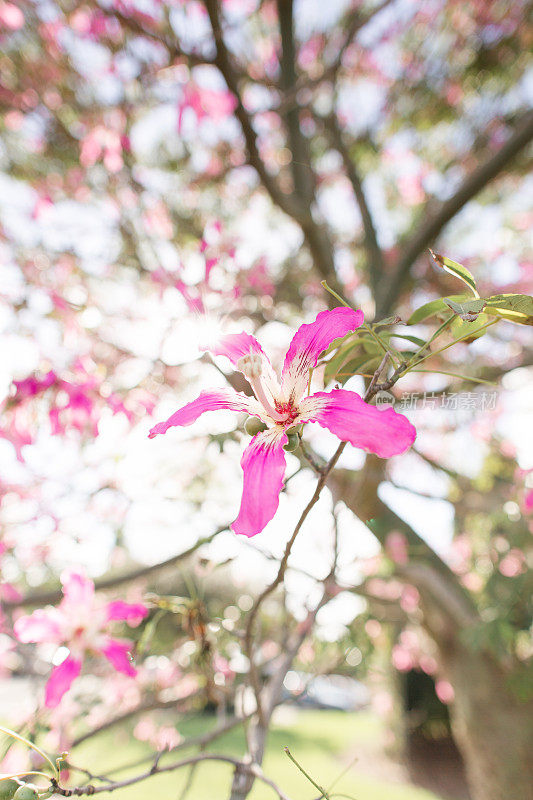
(214, 104)
(11, 17)
(81, 624)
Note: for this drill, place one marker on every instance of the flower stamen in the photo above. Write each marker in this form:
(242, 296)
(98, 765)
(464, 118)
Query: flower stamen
(251, 367)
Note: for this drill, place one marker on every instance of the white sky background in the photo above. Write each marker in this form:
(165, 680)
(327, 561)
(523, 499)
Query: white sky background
(152, 474)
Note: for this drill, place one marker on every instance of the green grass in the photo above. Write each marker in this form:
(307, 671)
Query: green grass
(323, 742)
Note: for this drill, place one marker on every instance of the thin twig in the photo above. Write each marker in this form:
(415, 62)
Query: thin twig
(323, 792)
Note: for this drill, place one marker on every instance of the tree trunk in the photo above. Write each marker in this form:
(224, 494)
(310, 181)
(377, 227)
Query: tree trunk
(243, 782)
(492, 728)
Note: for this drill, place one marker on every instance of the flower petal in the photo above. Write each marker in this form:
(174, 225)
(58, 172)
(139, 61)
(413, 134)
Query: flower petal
(117, 653)
(44, 625)
(263, 464)
(381, 431)
(78, 590)
(60, 681)
(309, 342)
(208, 401)
(132, 613)
(237, 345)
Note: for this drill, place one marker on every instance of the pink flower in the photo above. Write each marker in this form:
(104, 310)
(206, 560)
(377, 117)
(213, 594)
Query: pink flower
(31, 386)
(81, 624)
(282, 405)
(214, 104)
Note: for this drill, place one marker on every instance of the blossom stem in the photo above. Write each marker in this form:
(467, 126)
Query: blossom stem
(437, 333)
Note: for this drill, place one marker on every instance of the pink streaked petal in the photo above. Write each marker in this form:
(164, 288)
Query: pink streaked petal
(44, 625)
(117, 653)
(310, 341)
(78, 590)
(212, 400)
(381, 431)
(236, 345)
(263, 464)
(132, 613)
(60, 681)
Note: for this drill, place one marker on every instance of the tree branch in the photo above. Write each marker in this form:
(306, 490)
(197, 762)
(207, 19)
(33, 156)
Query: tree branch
(223, 62)
(355, 23)
(374, 255)
(295, 206)
(54, 595)
(172, 45)
(151, 705)
(194, 741)
(362, 499)
(432, 227)
(300, 165)
(90, 789)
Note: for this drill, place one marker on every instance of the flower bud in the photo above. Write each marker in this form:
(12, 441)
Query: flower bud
(26, 792)
(8, 787)
(254, 425)
(293, 442)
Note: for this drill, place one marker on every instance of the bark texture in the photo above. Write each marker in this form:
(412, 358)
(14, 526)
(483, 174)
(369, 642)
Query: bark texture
(492, 727)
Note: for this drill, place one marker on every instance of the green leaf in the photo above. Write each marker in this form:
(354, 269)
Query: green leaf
(334, 365)
(468, 331)
(468, 310)
(387, 321)
(337, 344)
(355, 366)
(456, 269)
(371, 347)
(513, 307)
(433, 308)
(413, 339)
(359, 347)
